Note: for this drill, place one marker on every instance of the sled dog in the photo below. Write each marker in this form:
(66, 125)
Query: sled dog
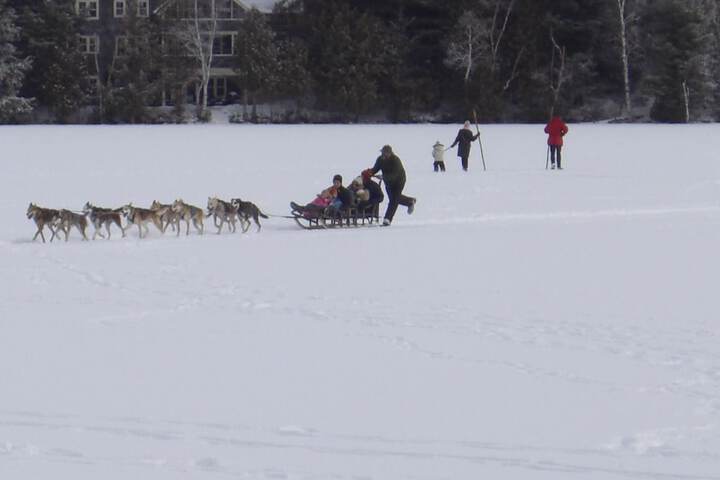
(225, 211)
(189, 212)
(167, 215)
(68, 219)
(141, 217)
(100, 217)
(246, 210)
(41, 217)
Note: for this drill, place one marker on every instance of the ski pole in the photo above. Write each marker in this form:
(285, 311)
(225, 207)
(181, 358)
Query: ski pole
(482, 155)
(547, 157)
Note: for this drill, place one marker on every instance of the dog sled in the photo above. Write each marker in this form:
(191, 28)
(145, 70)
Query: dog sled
(346, 218)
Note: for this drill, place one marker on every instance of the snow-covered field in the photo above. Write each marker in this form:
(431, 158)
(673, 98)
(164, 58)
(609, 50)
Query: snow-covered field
(521, 324)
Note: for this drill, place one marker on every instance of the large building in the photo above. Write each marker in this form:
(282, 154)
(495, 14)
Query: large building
(102, 37)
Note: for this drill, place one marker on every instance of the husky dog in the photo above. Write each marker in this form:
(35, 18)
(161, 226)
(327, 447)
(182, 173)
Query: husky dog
(103, 216)
(247, 210)
(68, 219)
(167, 215)
(189, 212)
(42, 217)
(141, 217)
(224, 211)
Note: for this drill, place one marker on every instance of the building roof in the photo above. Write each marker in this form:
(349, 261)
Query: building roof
(262, 5)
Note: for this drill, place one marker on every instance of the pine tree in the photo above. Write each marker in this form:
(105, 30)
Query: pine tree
(58, 72)
(294, 79)
(257, 56)
(12, 68)
(345, 60)
(134, 79)
(674, 60)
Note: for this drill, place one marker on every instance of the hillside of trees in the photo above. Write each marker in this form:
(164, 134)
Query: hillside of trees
(390, 60)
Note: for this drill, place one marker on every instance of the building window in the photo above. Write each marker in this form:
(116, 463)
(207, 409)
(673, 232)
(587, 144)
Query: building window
(119, 8)
(87, 8)
(143, 8)
(223, 44)
(88, 44)
(121, 46)
(224, 9)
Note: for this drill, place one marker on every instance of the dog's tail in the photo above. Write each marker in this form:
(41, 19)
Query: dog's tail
(262, 214)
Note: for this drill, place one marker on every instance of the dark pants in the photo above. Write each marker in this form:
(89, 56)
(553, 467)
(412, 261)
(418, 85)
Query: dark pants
(464, 161)
(439, 166)
(555, 152)
(395, 198)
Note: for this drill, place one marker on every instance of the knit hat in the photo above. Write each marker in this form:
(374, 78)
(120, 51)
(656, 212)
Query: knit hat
(358, 181)
(338, 178)
(386, 149)
(367, 174)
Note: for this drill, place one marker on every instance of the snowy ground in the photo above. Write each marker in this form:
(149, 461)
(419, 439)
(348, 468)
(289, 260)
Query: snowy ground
(522, 324)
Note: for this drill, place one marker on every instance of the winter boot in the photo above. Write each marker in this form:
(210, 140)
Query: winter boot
(411, 208)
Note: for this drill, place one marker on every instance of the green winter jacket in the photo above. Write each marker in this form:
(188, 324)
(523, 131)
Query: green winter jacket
(392, 169)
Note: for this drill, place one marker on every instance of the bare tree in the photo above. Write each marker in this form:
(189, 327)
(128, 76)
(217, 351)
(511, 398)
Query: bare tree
(479, 42)
(623, 20)
(494, 33)
(464, 51)
(686, 100)
(197, 36)
(557, 71)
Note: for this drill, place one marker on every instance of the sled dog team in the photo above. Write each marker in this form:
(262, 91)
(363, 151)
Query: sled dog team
(159, 214)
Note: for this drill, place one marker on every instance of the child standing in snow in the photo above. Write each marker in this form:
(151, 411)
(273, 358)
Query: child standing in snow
(437, 153)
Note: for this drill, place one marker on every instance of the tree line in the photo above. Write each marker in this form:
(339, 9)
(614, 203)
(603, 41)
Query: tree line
(395, 60)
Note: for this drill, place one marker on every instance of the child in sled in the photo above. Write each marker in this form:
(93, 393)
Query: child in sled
(322, 201)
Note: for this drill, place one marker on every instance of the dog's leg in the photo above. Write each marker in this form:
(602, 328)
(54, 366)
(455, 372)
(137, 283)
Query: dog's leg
(107, 227)
(119, 224)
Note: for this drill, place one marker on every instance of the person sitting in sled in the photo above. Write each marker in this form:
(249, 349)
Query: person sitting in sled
(316, 207)
(344, 200)
(375, 195)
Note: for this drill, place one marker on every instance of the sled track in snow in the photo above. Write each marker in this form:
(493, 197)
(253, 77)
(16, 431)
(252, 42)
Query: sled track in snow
(570, 216)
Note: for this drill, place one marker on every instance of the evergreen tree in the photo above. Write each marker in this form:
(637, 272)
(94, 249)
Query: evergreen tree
(134, 81)
(58, 72)
(257, 56)
(673, 59)
(346, 61)
(294, 79)
(12, 68)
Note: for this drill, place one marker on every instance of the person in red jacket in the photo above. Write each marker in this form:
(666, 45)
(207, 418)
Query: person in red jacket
(556, 130)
